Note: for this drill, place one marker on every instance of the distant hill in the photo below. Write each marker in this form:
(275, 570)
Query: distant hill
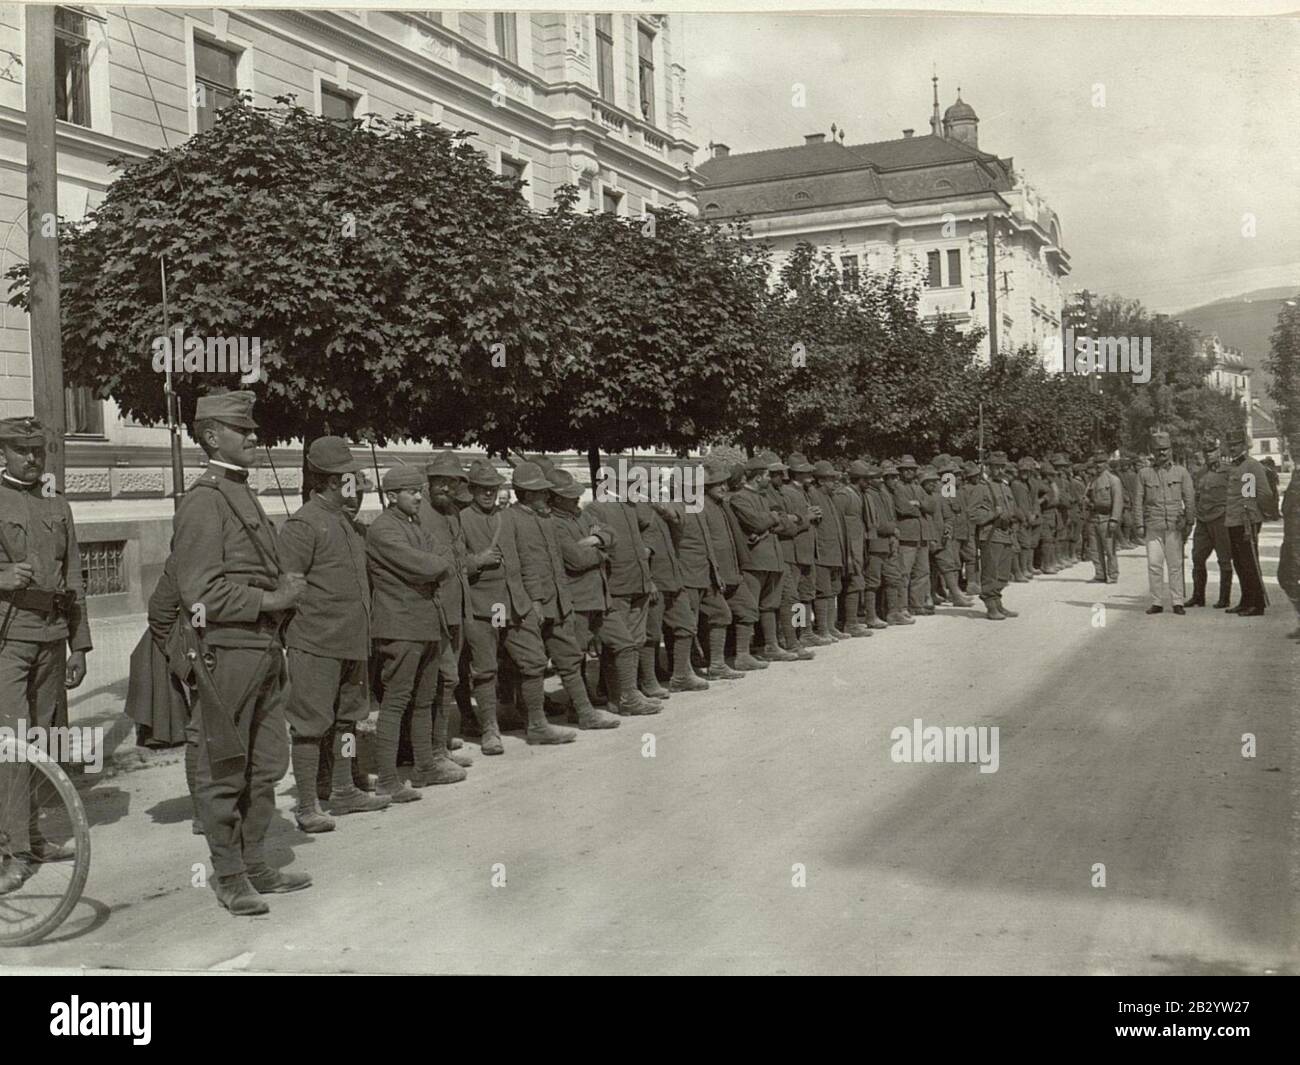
(1244, 322)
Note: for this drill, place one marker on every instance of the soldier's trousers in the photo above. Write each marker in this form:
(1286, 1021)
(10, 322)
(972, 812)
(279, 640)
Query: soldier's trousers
(1244, 553)
(237, 807)
(324, 692)
(995, 567)
(1126, 529)
(31, 694)
(914, 561)
(1165, 554)
(1211, 536)
(680, 612)
(631, 611)
(607, 628)
(884, 576)
(654, 618)
(408, 675)
(480, 653)
(765, 587)
(530, 641)
(741, 603)
(1105, 560)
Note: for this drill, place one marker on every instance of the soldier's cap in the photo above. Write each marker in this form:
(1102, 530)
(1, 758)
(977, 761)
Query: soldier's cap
(330, 454)
(928, 473)
(1159, 440)
(1235, 438)
(229, 408)
(952, 465)
(715, 472)
(563, 484)
(858, 468)
(773, 460)
(755, 464)
(445, 464)
(822, 468)
(528, 477)
(22, 432)
(998, 458)
(907, 463)
(798, 463)
(1025, 463)
(1059, 459)
(482, 474)
(1100, 456)
(888, 469)
(397, 478)
(971, 469)
(1046, 466)
(940, 460)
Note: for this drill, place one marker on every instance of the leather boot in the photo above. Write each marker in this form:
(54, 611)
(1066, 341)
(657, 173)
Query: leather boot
(304, 755)
(972, 578)
(954, 593)
(345, 796)
(238, 896)
(718, 668)
(684, 678)
(1197, 598)
(582, 713)
(485, 711)
(789, 638)
(441, 727)
(744, 661)
(991, 608)
(873, 619)
(771, 649)
(624, 694)
(1225, 587)
(541, 731)
(646, 672)
(192, 786)
(1006, 613)
(268, 881)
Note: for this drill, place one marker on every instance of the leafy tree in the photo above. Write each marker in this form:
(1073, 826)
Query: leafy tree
(1284, 366)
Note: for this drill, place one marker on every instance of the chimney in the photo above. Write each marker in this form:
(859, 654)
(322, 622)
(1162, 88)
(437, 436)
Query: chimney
(908, 132)
(720, 150)
(814, 138)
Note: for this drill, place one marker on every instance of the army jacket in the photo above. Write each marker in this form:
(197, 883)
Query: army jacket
(332, 618)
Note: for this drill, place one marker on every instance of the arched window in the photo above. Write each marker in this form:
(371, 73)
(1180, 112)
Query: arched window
(943, 185)
(711, 208)
(801, 197)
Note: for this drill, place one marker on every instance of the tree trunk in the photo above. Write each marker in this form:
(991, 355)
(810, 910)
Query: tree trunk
(593, 464)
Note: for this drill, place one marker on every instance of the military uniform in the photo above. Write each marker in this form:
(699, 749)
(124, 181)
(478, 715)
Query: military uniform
(831, 551)
(42, 618)
(799, 549)
(665, 609)
(1128, 481)
(1250, 500)
(884, 557)
(1049, 505)
(735, 593)
(1030, 516)
(407, 630)
(762, 564)
(328, 642)
(969, 548)
(1105, 495)
(1211, 534)
(913, 505)
(701, 596)
(853, 515)
(1165, 504)
(952, 524)
(992, 509)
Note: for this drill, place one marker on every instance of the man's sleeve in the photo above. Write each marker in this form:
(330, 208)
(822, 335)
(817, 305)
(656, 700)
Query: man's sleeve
(1267, 497)
(1116, 498)
(389, 549)
(755, 520)
(981, 507)
(200, 575)
(904, 504)
(78, 620)
(1137, 501)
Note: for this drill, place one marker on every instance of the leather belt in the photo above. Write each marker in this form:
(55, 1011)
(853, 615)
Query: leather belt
(41, 601)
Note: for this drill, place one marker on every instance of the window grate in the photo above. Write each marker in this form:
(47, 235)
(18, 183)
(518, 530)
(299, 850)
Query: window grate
(102, 569)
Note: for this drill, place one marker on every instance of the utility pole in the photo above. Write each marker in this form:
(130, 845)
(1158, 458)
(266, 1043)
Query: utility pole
(43, 236)
(991, 239)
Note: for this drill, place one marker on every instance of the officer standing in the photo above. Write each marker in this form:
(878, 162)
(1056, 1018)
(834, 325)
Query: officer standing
(1250, 500)
(406, 626)
(328, 638)
(1164, 505)
(44, 630)
(741, 609)
(1211, 533)
(831, 550)
(991, 510)
(235, 591)
(800, 552)
(763, 565)
(910, 504)
(1105, 497)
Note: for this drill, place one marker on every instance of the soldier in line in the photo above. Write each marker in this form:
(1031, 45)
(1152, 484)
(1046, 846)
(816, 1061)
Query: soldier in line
(800, 550)
(328, 638)
(662, 606)
(763, 566)
(1128, 481)
(1105, 499)
(1250, 500)
(1065, 511)
(884, 580)
(407, 628)
(446, 496)
(831, 551)
(953, 525)
(1165, 504)
(236, 591)
(911, 504)
(44, 630)
(932, 531)
(851, 499)
(1049, 506)
(1022, 490)
(992, 513)
(630, 588)
(584, 544)
(1079, 485)
(735, 594)
(1210, 483)
(972, 478)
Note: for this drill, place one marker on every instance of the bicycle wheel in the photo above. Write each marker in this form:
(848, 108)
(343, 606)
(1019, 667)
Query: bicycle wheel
(40, 810)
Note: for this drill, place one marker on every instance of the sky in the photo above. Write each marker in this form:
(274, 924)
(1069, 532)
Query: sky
(1169, 147)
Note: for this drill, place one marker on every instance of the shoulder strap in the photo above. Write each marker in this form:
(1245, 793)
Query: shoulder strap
(257, 544)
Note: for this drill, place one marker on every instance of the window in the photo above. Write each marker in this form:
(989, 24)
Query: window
(605, 57)
(645, 45)
(102, 571)
(507, 36)
(610, 200)
(214, 73)
(943, 185)
(849, 271)
(801, 197)
(336, 105)
(954, 266)
(512, 168)
(84, 411)
(933, 278)
(712, 208)
(71, 67)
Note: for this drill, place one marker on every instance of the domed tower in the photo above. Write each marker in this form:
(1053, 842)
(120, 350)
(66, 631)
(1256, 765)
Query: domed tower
(960, 123)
